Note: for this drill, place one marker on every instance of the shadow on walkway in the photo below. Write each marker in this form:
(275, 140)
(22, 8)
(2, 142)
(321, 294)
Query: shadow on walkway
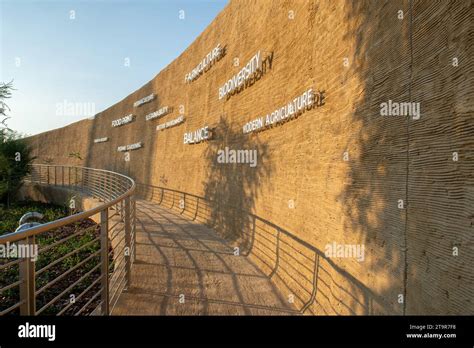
(184, 268)
(308, 280)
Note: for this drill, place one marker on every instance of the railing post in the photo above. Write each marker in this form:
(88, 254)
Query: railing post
(161, 196)
(184, 203)
(252, 236)
(128, 229)
(109, 187)
(104, 259)
(277, 252)
(197, 209)
(27, 277)
(315, 284)
(134, 225)
(172, 205)
(82, 179)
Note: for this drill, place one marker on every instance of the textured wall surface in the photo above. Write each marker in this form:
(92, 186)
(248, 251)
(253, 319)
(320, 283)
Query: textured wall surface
(335, 174)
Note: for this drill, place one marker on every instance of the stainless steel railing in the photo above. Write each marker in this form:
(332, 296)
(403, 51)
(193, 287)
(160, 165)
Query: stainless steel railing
(107, 251)
(297, 267)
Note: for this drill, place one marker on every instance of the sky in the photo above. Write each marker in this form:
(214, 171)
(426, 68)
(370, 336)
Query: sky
(70, 60)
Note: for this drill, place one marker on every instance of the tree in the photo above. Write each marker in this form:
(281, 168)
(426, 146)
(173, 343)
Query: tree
(15, 155)
(5, 93)
(15, 160)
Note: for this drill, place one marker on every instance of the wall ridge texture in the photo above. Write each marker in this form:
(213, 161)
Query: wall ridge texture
(320, 90)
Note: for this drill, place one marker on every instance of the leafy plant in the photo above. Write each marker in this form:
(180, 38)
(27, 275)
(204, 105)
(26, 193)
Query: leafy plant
(15, 155)
(5, 93)
(75, 155)
(15, 158)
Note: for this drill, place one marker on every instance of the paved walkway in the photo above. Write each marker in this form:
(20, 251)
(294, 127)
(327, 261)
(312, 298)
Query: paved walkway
(184, 268)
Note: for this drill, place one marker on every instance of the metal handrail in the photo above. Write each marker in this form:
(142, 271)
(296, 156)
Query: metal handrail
(278, 239)
(15, 236)
(114, 191)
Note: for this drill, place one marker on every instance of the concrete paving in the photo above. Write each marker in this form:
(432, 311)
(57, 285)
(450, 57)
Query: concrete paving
(185, 268)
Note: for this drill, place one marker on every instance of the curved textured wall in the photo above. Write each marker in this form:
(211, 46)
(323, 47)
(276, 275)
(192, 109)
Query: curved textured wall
(335, 174)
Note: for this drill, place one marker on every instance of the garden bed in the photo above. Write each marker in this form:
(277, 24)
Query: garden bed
(82, 237)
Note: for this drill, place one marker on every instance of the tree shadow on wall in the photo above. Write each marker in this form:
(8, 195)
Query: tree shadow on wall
(233, 188)
(377, 149)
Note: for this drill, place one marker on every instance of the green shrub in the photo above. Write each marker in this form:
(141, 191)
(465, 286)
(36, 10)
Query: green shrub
(15, 157)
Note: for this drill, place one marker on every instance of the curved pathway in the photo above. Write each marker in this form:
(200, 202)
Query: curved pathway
(184, 268)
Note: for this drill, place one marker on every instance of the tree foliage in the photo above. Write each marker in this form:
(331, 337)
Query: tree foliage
(15, 155)
(5, 93)
(15, 158)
